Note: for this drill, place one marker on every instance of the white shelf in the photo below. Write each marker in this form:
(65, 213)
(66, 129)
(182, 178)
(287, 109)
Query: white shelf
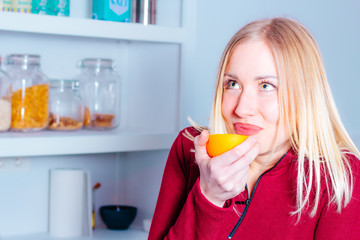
(81, 142)
(79, 27)
(98, 234)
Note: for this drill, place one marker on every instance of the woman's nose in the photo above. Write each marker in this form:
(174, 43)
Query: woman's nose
(247, 104)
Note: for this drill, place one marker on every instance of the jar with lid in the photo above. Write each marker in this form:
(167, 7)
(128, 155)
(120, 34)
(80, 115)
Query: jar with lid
(65, 105)
(100, 91)
(5, 101)
(30, 93)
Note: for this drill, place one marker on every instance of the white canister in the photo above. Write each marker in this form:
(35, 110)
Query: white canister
(70, 203)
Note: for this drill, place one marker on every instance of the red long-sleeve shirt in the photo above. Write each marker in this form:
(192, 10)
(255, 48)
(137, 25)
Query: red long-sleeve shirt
(183, 212)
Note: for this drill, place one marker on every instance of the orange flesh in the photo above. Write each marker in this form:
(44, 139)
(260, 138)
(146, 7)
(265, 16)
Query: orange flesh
(221, 143)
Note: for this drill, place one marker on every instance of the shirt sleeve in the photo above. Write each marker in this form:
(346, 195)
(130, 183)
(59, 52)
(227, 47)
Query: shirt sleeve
(179, 213)
(346, 224)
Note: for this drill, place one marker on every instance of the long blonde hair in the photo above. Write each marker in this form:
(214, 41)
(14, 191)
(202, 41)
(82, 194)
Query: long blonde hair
(307, 108)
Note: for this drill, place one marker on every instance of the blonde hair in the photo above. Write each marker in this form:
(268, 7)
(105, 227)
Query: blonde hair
(307, 108)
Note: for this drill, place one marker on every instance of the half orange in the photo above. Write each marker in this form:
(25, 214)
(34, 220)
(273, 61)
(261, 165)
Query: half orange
(220, 143)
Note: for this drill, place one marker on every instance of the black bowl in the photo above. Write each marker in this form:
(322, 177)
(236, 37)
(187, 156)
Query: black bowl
(118, 216)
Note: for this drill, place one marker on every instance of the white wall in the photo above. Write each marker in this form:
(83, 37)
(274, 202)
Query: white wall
(335, 25)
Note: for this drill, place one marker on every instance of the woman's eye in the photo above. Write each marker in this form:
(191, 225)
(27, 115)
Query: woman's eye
(231, 84)
(265, 86)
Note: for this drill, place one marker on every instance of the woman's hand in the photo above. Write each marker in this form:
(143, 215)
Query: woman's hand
(225, 176)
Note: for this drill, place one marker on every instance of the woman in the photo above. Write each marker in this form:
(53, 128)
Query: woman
(296, 175)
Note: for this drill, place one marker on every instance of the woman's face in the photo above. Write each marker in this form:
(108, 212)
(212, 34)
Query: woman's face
(250, 103)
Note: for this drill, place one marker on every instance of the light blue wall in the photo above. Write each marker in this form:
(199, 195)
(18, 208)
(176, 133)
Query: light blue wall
(335, 24)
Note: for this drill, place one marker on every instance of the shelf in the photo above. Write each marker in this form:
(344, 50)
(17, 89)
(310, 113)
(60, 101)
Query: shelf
(81, 142)
(98, 234)
(79, 27)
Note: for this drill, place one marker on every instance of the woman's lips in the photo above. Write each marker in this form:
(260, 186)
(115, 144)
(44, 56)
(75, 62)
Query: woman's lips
(246, 129)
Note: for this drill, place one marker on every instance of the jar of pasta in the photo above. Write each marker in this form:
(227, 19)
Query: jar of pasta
(5, 101)
(100, 91)
(30, 93)
(65, 105)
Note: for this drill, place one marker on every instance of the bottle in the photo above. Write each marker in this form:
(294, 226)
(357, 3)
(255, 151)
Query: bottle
(30, 93)
(100, 91)
(5, 101)
(65, 105)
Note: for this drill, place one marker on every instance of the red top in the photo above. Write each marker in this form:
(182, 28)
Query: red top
(182, 211)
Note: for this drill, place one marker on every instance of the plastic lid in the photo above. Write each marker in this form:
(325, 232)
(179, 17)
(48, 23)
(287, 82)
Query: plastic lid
(23, 59)
(96, 62)
(64, 83)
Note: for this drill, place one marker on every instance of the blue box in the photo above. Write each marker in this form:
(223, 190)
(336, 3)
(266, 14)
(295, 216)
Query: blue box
(112, 10)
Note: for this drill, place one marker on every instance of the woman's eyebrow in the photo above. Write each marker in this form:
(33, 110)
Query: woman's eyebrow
(231, 75)
(261, 77)
(265, 77)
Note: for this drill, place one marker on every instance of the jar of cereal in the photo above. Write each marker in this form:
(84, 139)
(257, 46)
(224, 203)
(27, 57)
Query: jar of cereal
(30, 93)
(100, 91)
(5, 101)
(65, 105)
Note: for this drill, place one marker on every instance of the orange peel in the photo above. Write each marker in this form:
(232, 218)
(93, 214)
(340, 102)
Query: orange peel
(221, 143)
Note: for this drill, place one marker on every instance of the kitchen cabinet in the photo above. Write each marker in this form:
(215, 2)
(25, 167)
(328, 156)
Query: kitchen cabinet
(55, 38)
(150, 60)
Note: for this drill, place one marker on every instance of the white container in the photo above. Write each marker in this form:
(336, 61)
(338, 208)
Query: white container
(69, 203)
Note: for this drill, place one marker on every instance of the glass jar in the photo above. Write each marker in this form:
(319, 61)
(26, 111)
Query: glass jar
(100, 90)
(65, 105)
(5, 101)
(30, 93)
